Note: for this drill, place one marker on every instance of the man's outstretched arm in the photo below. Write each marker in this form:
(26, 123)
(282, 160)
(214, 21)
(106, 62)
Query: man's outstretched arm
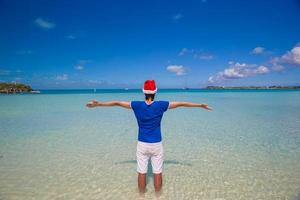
(124, 104)
(188, 104)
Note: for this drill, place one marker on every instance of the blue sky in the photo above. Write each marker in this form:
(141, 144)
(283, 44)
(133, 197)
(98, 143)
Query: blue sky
(116, 44)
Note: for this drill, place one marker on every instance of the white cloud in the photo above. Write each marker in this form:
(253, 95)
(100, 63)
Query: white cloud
(278, 68)
(239, 70)
(258, 50)
(79, 67)
(62, 77)
(75, 35)
(100, 82)
(277, 64)
(261, 70)
(177, 69)
(44, 24)
(96, 81)
(204, 56)
(196, 54)
(177, 17)
(292, 56)
(81, 64)
(183, 52)
(211, 79)
(186, 51)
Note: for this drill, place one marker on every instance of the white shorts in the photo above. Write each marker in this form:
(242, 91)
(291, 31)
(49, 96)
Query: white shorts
(146, 151)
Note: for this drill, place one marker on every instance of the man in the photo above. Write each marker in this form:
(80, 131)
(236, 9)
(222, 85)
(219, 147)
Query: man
(149, 114)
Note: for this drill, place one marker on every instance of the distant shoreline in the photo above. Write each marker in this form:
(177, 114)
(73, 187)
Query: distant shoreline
(19, 88)
(252, 87)
(183, 89)
(139, 91)
(16, 88)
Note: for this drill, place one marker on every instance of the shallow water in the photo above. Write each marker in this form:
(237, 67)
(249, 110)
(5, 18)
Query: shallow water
(52, 147)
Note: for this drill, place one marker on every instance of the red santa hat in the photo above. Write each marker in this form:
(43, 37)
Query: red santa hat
(149, 87)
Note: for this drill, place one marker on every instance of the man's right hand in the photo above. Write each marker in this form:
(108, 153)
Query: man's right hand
(92, 104)
(205, 106)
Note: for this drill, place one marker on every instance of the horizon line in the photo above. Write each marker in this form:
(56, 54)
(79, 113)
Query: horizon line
(177, 88)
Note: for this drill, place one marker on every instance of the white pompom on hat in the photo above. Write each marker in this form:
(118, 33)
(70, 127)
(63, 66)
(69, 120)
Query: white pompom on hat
(149, 87)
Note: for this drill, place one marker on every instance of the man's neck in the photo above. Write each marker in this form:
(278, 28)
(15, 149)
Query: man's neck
(149, 101)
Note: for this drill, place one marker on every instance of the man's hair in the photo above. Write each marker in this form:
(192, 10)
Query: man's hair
(149, 96)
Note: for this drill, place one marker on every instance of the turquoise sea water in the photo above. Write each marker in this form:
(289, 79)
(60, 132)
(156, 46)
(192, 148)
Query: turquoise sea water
(53, 147)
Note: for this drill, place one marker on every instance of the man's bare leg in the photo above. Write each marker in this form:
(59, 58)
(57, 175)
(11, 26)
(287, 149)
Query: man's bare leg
(142, 182)
(157, 182)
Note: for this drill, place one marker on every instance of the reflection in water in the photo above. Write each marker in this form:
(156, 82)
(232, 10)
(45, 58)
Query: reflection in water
(150, 172)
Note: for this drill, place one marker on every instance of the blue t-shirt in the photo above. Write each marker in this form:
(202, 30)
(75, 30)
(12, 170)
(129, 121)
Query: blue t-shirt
(149, 118)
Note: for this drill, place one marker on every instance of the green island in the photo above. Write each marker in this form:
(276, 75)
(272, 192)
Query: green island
(12, 88)
(253, 87)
